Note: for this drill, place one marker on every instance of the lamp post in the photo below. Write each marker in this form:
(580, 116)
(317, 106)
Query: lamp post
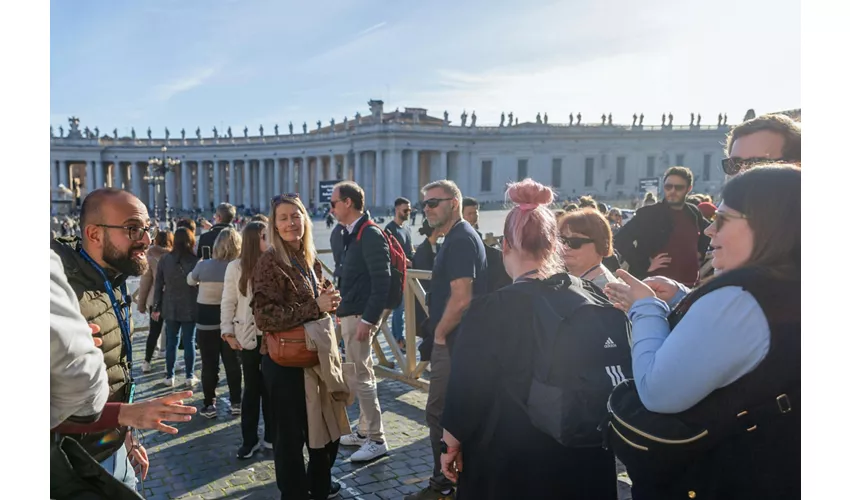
(158, 168)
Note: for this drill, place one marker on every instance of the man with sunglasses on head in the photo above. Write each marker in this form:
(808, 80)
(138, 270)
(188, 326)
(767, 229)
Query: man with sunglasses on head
(402, 234)
(667, 238)
(764, 139)
(364, 285)
(116, 232)
(459, 275)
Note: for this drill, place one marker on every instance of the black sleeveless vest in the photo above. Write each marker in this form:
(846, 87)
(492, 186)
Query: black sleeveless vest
(761, 410)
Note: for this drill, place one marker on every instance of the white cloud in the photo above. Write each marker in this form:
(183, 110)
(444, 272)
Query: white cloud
(166, 91)
(372, 28)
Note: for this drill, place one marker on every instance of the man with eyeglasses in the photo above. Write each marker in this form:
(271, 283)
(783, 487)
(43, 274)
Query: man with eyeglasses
(764, 139)
(402, 234)
(667, 238)
(364, 284)
(116, 232)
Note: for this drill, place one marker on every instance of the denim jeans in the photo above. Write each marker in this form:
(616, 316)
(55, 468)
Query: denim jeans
(187, 331)
(398, 321)
(119, 466)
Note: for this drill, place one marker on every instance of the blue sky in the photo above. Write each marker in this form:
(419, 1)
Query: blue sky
(190, 63)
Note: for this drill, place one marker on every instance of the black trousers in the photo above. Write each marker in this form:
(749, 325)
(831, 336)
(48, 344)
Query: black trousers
(214, 348)
(285, 388)
(153, 338)
(254, 397)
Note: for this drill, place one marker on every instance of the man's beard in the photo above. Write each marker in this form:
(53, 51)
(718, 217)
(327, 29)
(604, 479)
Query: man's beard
(125, 264)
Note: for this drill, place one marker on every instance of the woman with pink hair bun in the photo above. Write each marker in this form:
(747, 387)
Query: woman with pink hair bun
(492, 448)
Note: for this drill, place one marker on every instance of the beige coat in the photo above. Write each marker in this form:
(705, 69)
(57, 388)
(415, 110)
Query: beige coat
(237, 318)
(328, 386)
(145, 292)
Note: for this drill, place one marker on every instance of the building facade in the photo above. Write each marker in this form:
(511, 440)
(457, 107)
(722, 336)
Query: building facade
(389, 154)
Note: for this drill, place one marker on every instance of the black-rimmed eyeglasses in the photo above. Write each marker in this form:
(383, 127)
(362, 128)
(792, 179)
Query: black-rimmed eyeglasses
(134, 233)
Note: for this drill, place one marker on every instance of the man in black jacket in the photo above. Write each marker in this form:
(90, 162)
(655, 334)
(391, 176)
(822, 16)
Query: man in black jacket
(364, 284)
(668, 238)
(224, 215)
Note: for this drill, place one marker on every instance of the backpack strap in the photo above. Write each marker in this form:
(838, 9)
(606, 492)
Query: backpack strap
(363, 226)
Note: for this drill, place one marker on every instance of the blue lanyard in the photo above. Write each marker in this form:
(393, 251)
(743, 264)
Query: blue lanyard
(309, 277)
(525, 276)
(121, 313)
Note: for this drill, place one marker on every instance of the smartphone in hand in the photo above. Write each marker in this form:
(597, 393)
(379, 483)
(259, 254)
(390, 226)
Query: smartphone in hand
(205, 253)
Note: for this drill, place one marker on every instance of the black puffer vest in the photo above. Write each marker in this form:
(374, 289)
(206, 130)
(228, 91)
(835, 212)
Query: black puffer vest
(760, 411)
(97, 308)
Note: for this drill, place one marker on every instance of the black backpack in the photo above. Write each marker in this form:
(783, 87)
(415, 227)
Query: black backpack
(582, 351)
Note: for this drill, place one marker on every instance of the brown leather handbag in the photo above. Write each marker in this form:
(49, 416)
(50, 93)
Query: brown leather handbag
(289, 348)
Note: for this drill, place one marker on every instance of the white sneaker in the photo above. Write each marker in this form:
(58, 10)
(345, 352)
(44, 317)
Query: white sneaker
(352, 439)
(146, 366)
(169, 382)
(192, 381)
(267, 445)
(369, 451)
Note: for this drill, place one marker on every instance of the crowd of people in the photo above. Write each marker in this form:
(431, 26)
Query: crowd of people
(709, 293)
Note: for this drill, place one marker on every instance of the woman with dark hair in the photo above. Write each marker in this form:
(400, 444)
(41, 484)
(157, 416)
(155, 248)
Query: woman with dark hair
(175, 302)
(730, 350)
(161, 245)
(239, 329)
(491, 447)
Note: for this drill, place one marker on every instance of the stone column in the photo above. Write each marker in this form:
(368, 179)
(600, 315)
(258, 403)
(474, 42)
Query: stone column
(414, 173)
(185, 186)
(471, 185)
(54, 176)
(289, 186)
(118, 179)
(320, 176)
(216, 182)
(277, 166)
(64, 176)
(99, 168)
(358, 169)
(443, 173)
(345, 167)
(246, 191)
(304, 181)
(264, 192)
(231, 186)
(203, 186)
(136, 181)
(91, 182)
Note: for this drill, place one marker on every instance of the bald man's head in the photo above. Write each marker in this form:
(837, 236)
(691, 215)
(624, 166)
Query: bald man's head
(115, 230)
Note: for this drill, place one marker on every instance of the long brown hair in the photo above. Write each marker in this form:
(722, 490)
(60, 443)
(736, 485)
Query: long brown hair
(251, 236)
(184, 243)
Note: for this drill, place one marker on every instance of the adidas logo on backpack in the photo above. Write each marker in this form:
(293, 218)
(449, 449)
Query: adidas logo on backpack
(609, 343)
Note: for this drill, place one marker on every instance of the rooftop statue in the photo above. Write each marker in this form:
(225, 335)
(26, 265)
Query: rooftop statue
(634, 119)
(502, 121)
(290, 128)
(245, 131)
(167, 133)
(571, 119)
(603, 118)
(229, 133)
(149, 133)
(474, 118)
(304, 127)
(640, 120)
(539, 119)
(133, 133)
(578, 118)
(198, 133)
(546, 118)
(610, 120)
(115, 134)
(215, 133)
(261, 130)
(61, 132)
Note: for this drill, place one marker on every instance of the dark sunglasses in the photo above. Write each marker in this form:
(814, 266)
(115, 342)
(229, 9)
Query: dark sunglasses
(675, 187)
(721, 217)
(334, 202)
(732, 166)
(286, 196)
(575, 243)
(435, 202)
(134, 233)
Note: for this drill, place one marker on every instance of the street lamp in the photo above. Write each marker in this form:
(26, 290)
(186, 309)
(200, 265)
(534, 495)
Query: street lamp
(157, 170)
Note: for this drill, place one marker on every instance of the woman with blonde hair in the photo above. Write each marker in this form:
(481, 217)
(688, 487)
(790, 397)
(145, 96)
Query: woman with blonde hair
(237, 323)
(208, 275)
(291, 291)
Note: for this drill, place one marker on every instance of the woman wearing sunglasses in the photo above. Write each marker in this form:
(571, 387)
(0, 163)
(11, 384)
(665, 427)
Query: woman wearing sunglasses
(587, 241)
(730, 350)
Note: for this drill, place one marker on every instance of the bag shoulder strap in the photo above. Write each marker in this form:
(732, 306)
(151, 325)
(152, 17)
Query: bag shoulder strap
(363, 226)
